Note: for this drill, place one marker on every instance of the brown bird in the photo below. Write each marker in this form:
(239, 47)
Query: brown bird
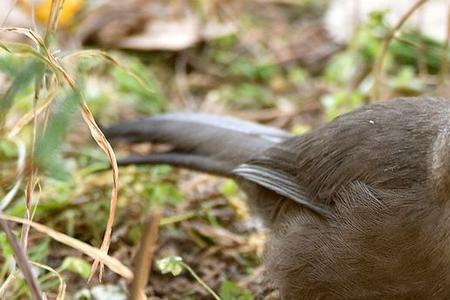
(357, 209)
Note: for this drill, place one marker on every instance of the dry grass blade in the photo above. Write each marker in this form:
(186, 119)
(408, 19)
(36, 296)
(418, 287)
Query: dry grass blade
(106, 56)
(46, 57)
(22, 49)
(103, 143)
(33, 36)
(29, 190)
(55, 13)
(107, 149)
(30, 115)
(22, 262)
(41, 51)
(378, 65)
(112, 263)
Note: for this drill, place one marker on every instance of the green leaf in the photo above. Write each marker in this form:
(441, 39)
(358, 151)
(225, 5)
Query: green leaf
(7, 149)
(413, 49)
(163, 193)
(48, 144)
(229, 188)
(146, 93)
(171, 264)
(160, 171)
(5, 246)
(21, 80)
(40, 251)
(229, 290)
(76, 265)
(341, 102)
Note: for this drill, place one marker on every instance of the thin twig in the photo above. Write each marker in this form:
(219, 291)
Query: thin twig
(144, 257)
(22, 262)
(378, 66)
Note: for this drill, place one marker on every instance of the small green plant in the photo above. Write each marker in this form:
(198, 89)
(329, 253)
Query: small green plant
(175, 265)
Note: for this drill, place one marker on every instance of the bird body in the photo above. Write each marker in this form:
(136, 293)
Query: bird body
(357, 209)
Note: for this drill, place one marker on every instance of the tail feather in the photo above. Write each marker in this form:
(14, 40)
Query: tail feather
(194, 162)
(202, 142)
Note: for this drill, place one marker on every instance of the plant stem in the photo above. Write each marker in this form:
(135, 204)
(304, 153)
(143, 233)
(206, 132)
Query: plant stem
(210, 290)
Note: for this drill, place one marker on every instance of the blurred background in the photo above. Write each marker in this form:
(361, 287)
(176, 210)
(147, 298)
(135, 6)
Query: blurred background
(293, 64)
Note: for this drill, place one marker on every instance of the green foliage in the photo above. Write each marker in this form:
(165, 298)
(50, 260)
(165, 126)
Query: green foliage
(219, 51)
(134, 233)
(341, 102)
(39, 252)
(57, 194)
(48, 144)
(229, 188)
(162, 193)
(297, 75)
(10, 64)
(223, 44)
(367, 40)
(171, 264)
(229, 290)
(175, 265)
(5, 247)
(149, 99)
(7, 149)
(254, 71)
(160, 171)
(406, 82)
(247, 95)
(407, 49)
(343, 67)
(76, 265)
(22, 79)
(360, 53)
(414, 49)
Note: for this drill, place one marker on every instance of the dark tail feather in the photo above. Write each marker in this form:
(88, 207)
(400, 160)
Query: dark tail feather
(194, 162)
(201, 142)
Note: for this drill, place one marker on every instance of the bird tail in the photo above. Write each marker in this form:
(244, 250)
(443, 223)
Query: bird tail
(207, 143)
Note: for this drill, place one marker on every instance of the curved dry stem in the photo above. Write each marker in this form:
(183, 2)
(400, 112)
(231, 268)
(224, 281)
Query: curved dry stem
(103, 143)
(108, 57)
(62, 284)
(28, 117)
(30, 34)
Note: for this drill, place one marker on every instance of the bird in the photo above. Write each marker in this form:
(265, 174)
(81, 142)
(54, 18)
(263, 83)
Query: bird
(358, 208)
